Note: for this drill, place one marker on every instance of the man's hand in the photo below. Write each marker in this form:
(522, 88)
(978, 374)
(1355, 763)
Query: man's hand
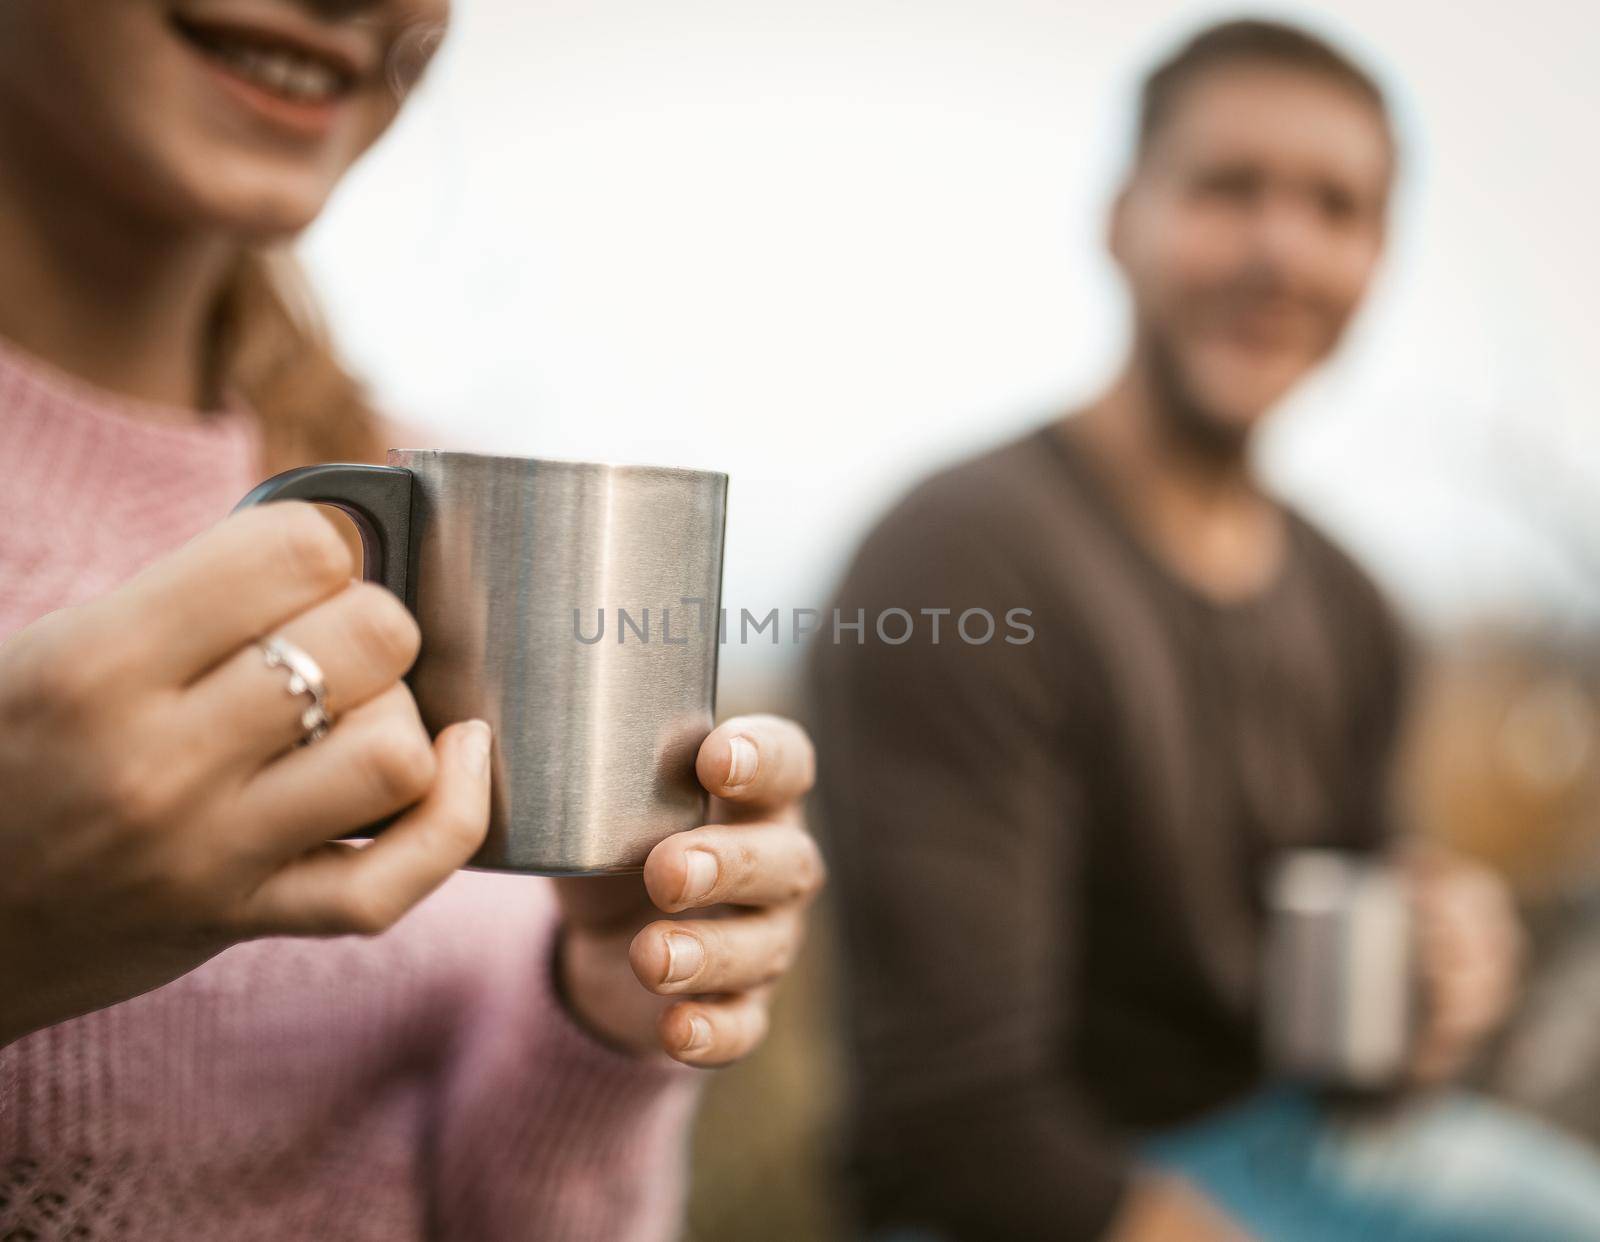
(1161, 1208)
(696, 985)
(1470, 948)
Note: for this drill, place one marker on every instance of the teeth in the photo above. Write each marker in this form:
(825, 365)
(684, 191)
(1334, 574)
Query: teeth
(309, 81)
(284, 72)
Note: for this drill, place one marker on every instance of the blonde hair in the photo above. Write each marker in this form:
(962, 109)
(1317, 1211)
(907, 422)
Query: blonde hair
(271, 345)
(272, 349)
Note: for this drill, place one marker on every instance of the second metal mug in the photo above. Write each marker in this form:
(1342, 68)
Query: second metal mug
(1340, 986)
(574, 607)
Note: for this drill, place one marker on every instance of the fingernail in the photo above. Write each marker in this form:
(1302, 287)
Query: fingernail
(700, 875)
(742, 761)
(685, 956)
(475, 738)
(699, 1035)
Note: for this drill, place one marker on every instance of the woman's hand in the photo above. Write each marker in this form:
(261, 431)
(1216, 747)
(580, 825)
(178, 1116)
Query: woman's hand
(154, 807)
(695, 984)
(1470, 947)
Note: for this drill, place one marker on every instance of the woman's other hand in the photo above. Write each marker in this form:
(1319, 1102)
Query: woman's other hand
(695, 984)
(154, 805)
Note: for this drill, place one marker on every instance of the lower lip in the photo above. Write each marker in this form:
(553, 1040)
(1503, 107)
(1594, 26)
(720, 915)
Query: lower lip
(301, 117)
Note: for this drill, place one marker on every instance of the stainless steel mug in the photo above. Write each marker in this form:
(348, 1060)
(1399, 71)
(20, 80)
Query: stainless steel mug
(574, 607)
(1340, 982)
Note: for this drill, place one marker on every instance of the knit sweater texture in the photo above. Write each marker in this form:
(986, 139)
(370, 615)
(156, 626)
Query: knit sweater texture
(425, 1083)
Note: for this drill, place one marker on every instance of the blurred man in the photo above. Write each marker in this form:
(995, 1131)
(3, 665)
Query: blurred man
(1051, 846)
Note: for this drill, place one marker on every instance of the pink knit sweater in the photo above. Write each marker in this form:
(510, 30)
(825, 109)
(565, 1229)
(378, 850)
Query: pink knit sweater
(425, 1083)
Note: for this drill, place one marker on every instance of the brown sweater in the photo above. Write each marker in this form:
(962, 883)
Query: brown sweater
(1048, 855)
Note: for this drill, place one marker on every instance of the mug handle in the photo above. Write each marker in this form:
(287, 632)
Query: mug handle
(376, 498)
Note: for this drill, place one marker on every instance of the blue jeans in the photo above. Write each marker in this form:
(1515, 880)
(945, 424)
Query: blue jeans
(1449, 1168)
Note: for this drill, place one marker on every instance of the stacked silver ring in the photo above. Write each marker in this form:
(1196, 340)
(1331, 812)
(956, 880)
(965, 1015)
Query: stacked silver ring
(305, 677)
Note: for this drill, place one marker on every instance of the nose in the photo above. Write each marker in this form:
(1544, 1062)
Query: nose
(1286, 233)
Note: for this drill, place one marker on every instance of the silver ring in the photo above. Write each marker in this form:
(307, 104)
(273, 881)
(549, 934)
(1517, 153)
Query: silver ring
(305, 677)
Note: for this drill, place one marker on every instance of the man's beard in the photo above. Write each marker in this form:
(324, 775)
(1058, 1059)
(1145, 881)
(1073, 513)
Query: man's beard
(1182, 418)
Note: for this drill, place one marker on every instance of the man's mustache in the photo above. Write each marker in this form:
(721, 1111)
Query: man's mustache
(1261, 290)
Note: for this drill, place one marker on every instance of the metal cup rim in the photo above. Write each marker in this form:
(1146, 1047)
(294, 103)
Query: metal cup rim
(616, 469)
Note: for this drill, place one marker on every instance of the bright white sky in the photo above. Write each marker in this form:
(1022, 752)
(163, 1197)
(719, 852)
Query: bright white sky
(826, 244)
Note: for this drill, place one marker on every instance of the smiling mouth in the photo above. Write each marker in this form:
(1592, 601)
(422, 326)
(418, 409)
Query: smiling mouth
(281, 67)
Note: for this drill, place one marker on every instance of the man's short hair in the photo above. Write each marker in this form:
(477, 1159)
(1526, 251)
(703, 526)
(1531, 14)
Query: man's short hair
(1248, 41)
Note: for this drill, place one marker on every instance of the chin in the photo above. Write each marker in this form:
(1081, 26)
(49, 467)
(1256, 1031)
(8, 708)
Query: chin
(267, 219)
(1233, 420)
(259, 204)
(1212, 432)
(1237, 410)
(1235, 400)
